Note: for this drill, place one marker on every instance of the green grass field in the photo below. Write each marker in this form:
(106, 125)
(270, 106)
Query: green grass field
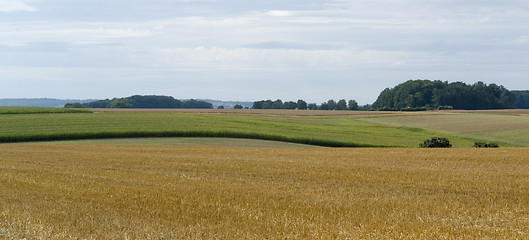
(333, 129)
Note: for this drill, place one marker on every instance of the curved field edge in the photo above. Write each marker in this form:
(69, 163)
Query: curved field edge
(179, 142)
(320, 131)
(197, 134)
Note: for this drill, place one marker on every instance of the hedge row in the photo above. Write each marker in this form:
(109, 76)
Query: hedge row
(146, 134)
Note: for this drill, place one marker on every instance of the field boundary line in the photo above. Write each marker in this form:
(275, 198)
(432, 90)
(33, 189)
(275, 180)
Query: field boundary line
(198, 134)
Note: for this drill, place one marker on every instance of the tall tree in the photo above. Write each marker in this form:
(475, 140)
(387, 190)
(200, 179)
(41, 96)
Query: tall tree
(302, 105)
(353, 105)
(341, 105)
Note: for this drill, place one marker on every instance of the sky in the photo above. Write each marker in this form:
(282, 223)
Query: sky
(255, 50)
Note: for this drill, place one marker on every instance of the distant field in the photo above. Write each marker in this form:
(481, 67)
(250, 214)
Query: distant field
(166, 192)
(506, 126)
(37, 110)
(346, 130)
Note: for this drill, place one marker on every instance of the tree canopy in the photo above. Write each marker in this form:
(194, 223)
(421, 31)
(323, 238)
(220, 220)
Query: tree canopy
(137, 101)
(522, 99)
(426, 94)
(302, 105)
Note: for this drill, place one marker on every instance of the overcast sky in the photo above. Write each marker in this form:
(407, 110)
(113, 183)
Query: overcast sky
(251, 50)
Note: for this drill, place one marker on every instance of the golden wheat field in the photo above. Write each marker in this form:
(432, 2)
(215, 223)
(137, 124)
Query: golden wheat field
(93, 191)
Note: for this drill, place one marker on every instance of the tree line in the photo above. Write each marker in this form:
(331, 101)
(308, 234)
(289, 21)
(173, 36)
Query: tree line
(412, 95)
(303, 105)
(138, 101)
(522, 99)
(429, 95)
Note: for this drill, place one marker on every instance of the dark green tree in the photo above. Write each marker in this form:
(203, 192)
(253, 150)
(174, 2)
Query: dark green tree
(74, 105)
(521, 99)
(341, 105)
(290, 105)
(192, 103)
(302, 105)
(277, 104)
(436, 142)
(312, 106)
(426, 94)
(120, 103)
(353, 105)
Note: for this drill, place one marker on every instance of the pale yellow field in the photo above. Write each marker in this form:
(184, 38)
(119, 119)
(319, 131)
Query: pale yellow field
(182, 192)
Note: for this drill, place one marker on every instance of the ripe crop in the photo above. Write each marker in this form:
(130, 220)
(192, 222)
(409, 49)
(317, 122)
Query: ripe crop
(152, 192)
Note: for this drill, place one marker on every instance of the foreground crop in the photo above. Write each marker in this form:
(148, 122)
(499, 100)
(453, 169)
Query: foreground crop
(153, 192)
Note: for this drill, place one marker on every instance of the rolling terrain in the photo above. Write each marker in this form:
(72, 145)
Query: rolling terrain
(107, 191)
(317, 129)
(232, 188)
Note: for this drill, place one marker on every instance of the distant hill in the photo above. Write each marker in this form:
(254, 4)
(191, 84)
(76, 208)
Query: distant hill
(38, 102)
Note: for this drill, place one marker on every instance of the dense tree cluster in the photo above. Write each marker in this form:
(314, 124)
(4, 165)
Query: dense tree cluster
(138, 101)
(302, 105)
(436, 142)
(426, 94)
(522, 99)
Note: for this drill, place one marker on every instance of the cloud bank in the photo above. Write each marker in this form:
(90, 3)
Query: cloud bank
(242, 50)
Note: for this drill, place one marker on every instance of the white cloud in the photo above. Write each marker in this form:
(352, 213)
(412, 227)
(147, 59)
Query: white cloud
(279, 13)
(292, 42)
(9, 6)
(71, 32)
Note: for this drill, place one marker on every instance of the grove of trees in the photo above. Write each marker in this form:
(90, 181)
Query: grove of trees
(302, 105)
(137, 101)
(522, 99)
(426, 94)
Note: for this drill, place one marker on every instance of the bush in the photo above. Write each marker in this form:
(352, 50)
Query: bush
(485, 145)
(445, 108)
(436, 142)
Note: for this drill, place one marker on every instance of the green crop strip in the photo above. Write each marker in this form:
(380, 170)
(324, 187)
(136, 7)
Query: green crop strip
(148, 134)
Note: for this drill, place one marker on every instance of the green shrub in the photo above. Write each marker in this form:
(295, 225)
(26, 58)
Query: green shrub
(445, 108)
(436, 142)
(485, 145)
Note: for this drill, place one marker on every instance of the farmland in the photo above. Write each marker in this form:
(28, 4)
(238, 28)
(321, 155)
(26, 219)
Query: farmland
(232, 188)
(332, 130)
(507, 126)
(152, 192)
